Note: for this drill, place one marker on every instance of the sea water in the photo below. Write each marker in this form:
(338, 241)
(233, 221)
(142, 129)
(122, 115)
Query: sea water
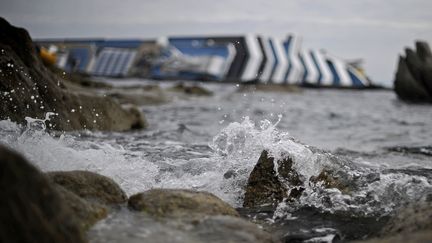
(213, 143)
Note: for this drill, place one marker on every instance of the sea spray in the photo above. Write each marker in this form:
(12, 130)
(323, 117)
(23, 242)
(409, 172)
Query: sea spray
(138, 163)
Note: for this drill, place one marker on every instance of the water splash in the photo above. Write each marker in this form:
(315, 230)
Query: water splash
(222, 167)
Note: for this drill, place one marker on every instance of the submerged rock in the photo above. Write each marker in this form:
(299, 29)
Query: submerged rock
(416, 237)
(29, 89)
(412, 218)
(90, 186)
(191, 90)
(179, 202)
(412, 223)
(223, 228)
(31, 209)
(413, 81)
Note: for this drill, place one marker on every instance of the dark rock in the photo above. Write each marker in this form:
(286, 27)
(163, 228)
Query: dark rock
(178, 202)
(90, 186)
(406, 87)
(29, 89)
(329, 180)
(31, 210)
(266, 187)
(413, 81)
(230, 174)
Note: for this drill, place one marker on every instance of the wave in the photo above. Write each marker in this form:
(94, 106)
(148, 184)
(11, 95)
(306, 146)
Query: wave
(221, 167)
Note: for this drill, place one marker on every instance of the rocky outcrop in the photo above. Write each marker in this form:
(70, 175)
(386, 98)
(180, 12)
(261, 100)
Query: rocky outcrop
(179, 202)
(413, 81)
(266, 187)
(90, 186)
(29, 89)
(31, 210)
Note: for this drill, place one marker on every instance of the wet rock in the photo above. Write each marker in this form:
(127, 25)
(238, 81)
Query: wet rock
(31, 210)
(230, 174)
(90, 186)
(178, 202)
(29, 89)
(139, 119)
(329, 180)
(264, 186)
(86, 213)
(412, 218)
(224, 228)
(190, 89)
(416, 237)
(412, 223)
(413, 81)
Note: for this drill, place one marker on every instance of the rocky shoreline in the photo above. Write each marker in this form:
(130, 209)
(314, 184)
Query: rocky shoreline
(72, 206)
(76, 206)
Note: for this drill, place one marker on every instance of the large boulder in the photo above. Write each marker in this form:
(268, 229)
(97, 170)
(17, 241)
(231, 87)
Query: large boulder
(87, 213)
(179, 202)
(90, 186)
(31, 210)
(413, 80)
(29, 89)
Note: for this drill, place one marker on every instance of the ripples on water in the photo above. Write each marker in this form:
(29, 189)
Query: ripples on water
(213, 143)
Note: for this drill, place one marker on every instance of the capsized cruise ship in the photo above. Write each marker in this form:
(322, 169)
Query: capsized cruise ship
(248, 58)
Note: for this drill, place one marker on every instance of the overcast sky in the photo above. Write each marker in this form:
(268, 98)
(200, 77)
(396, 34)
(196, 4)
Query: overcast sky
(375, 30)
